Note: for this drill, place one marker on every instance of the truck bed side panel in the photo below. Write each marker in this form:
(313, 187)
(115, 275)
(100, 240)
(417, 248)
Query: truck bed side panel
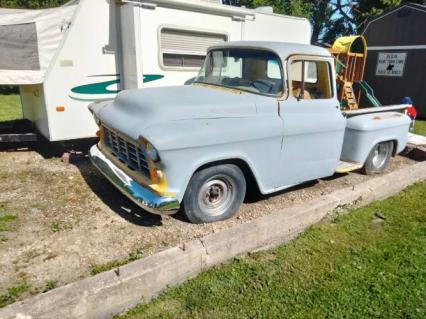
(364, 131)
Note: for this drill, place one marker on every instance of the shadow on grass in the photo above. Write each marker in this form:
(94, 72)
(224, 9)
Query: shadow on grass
(50, 149)
(253, 193)
(103, 189)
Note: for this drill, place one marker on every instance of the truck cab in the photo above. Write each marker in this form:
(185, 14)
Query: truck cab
(258, 112)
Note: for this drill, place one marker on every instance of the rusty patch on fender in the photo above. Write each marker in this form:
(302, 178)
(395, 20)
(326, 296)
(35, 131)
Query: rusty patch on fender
(387, 116)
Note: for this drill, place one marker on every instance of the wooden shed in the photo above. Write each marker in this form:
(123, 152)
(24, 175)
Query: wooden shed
(396, 62)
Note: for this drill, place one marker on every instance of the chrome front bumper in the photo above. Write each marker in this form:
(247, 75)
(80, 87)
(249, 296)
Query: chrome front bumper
(139, 194)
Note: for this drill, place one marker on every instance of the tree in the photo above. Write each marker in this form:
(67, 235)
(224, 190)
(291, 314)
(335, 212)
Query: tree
(298, 8)
(326, 24)
(31, 4)
(359, 12)
(330, 18)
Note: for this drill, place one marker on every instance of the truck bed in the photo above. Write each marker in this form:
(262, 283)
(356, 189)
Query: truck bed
(397, 107)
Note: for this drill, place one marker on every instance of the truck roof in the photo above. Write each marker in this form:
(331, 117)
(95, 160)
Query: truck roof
(282, 49)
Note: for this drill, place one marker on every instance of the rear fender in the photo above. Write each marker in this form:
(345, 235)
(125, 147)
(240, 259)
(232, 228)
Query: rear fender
(365, 131)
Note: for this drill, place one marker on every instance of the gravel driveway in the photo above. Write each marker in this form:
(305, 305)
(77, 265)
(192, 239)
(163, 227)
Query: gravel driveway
(67, 219)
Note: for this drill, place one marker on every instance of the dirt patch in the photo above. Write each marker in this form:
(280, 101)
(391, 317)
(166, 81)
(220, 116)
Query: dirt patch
(70, 221)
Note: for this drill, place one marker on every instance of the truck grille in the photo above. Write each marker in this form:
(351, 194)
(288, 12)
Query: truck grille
(129, 153)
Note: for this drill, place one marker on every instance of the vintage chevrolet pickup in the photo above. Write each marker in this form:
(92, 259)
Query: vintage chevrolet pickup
(258, 112)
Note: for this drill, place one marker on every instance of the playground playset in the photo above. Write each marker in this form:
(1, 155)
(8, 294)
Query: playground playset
(350, 55)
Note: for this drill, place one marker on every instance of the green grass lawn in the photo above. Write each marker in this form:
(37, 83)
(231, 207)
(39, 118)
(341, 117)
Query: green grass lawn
(10, 107)
(420, 127)
(370, 263)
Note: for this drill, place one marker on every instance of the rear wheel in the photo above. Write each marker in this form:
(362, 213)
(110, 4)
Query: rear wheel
(379, 158)
(214, 194)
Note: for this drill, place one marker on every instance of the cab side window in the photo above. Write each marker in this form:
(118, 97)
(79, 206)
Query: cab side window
(311, 80)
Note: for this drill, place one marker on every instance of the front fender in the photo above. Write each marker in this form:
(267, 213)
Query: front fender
(187, 145)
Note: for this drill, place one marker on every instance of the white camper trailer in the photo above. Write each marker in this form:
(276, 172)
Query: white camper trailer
(65, 58)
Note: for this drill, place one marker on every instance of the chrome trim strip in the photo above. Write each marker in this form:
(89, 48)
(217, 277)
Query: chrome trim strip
(139, 194)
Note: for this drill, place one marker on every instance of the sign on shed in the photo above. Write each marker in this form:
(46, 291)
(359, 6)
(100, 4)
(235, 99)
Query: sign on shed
(391, 64)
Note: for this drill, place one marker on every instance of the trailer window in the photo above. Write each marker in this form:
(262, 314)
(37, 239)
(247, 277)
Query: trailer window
(182, 60)
(19, 47)
(185, 48)
(311, 79)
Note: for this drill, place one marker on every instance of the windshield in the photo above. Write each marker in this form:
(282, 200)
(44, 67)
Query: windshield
(249, 70)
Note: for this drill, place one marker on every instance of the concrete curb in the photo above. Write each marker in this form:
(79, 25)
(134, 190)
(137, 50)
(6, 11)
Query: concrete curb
(112, 292)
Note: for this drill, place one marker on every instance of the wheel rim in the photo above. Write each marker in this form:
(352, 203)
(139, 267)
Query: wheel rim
(381, 152)
(216, 195)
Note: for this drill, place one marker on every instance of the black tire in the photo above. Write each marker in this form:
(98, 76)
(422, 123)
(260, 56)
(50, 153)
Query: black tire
(379, 158)
(214, 194)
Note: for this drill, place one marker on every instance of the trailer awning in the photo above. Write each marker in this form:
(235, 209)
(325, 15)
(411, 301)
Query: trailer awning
(28, 42)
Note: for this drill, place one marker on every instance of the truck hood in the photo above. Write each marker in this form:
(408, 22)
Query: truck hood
(134, 110)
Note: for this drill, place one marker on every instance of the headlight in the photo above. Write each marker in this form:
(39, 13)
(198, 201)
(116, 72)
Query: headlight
(152, 152)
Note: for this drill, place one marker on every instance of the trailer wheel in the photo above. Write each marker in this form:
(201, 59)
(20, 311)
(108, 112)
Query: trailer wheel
(379, 158)
(214, 194)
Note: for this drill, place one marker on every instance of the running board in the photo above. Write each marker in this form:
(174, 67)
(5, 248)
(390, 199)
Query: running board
(346, 167)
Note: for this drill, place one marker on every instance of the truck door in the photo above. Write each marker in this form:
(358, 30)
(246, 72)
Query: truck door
(313, 126)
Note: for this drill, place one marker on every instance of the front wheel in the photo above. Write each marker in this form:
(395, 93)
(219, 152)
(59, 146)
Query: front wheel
(379, 158)
(214, 194)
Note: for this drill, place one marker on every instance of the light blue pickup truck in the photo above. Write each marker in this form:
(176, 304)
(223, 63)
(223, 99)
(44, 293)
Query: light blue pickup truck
(259, 113)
